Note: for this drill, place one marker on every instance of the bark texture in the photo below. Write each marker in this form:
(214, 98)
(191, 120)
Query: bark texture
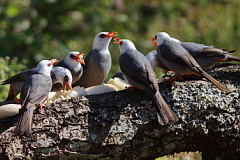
(123, 125)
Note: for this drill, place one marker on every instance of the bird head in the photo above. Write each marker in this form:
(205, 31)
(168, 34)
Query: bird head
(125, 45)
(76, 56)
(45, 66)
(102, 39)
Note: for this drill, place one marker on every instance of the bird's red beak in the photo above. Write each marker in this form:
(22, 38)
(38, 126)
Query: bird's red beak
(78, 58)
(65, 84)
(111, 34)
(52, 61)
(153, 39)
(154, 44)
(117, 40)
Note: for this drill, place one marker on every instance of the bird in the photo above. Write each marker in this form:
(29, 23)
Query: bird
(205, 55)
(140, 75)
(73, 62)
(98, 61)
(34, 91)
(59, 75)
(176, 58)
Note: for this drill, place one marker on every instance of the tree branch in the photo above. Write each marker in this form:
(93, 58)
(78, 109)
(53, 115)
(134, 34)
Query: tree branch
(123, 125)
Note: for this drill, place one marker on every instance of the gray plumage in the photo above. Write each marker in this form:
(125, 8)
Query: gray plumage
(205, 55)
(73, 62)
(139, 73)
(98, 61)
(175, 57)
(16, 81)
(34, 91)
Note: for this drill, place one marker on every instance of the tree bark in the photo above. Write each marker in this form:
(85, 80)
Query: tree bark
(123, 125)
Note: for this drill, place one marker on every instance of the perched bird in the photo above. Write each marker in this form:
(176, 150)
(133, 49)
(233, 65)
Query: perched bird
(176, 58)
(33, 93)
(98, 61)
(204, 55)
(140, 75)
(58, 74)
(73, 62)
(63, 76)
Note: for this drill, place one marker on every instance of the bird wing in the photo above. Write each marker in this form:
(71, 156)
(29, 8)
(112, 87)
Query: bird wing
(22, 76)
(137, 69)
(175, 53)
(35, 89)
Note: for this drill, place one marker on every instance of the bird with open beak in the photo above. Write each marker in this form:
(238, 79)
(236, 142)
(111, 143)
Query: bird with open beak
(59, 75)
(34, 91)
(205, 55)
(98, 61)
(177, 59)
(140, 75)
(73, 62)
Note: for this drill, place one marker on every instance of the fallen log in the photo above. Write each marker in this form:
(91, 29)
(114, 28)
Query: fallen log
(123, 124)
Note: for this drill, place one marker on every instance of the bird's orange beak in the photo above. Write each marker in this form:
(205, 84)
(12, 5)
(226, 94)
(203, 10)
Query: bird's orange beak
(52, 61)
(111, 34)
(65, 84)
(153, 39)
(117, 40)
(154, 44)
(78, 58)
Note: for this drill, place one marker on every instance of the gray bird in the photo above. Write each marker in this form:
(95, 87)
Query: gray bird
(73, 62)
(139, 73)
(176, 58)
(204, 55)
(59, 75)
(98, 61)
(34, 91)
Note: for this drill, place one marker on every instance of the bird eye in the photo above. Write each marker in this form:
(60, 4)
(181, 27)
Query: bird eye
(155, 37)
(102, 35)
(72, 56)
(120, 43)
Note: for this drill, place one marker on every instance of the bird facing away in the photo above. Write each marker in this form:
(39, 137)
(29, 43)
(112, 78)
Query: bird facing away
(98, 61)
(73, 62)
(58, 74)
(176, 58)
(140, 75)
(204, 55)
(34, 91)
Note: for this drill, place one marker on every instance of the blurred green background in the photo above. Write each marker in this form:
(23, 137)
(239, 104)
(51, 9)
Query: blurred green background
(32, 30)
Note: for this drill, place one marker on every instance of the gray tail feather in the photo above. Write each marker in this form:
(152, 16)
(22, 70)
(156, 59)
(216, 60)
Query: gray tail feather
(215, 82)
(24, 124)
(164, 112)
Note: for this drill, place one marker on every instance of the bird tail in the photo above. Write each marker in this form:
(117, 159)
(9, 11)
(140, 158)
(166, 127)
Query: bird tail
(232, 58)
(215, 82)
(164, 112)
(24, 124)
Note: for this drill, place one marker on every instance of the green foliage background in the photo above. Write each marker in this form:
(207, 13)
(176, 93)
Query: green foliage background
(33, 30)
